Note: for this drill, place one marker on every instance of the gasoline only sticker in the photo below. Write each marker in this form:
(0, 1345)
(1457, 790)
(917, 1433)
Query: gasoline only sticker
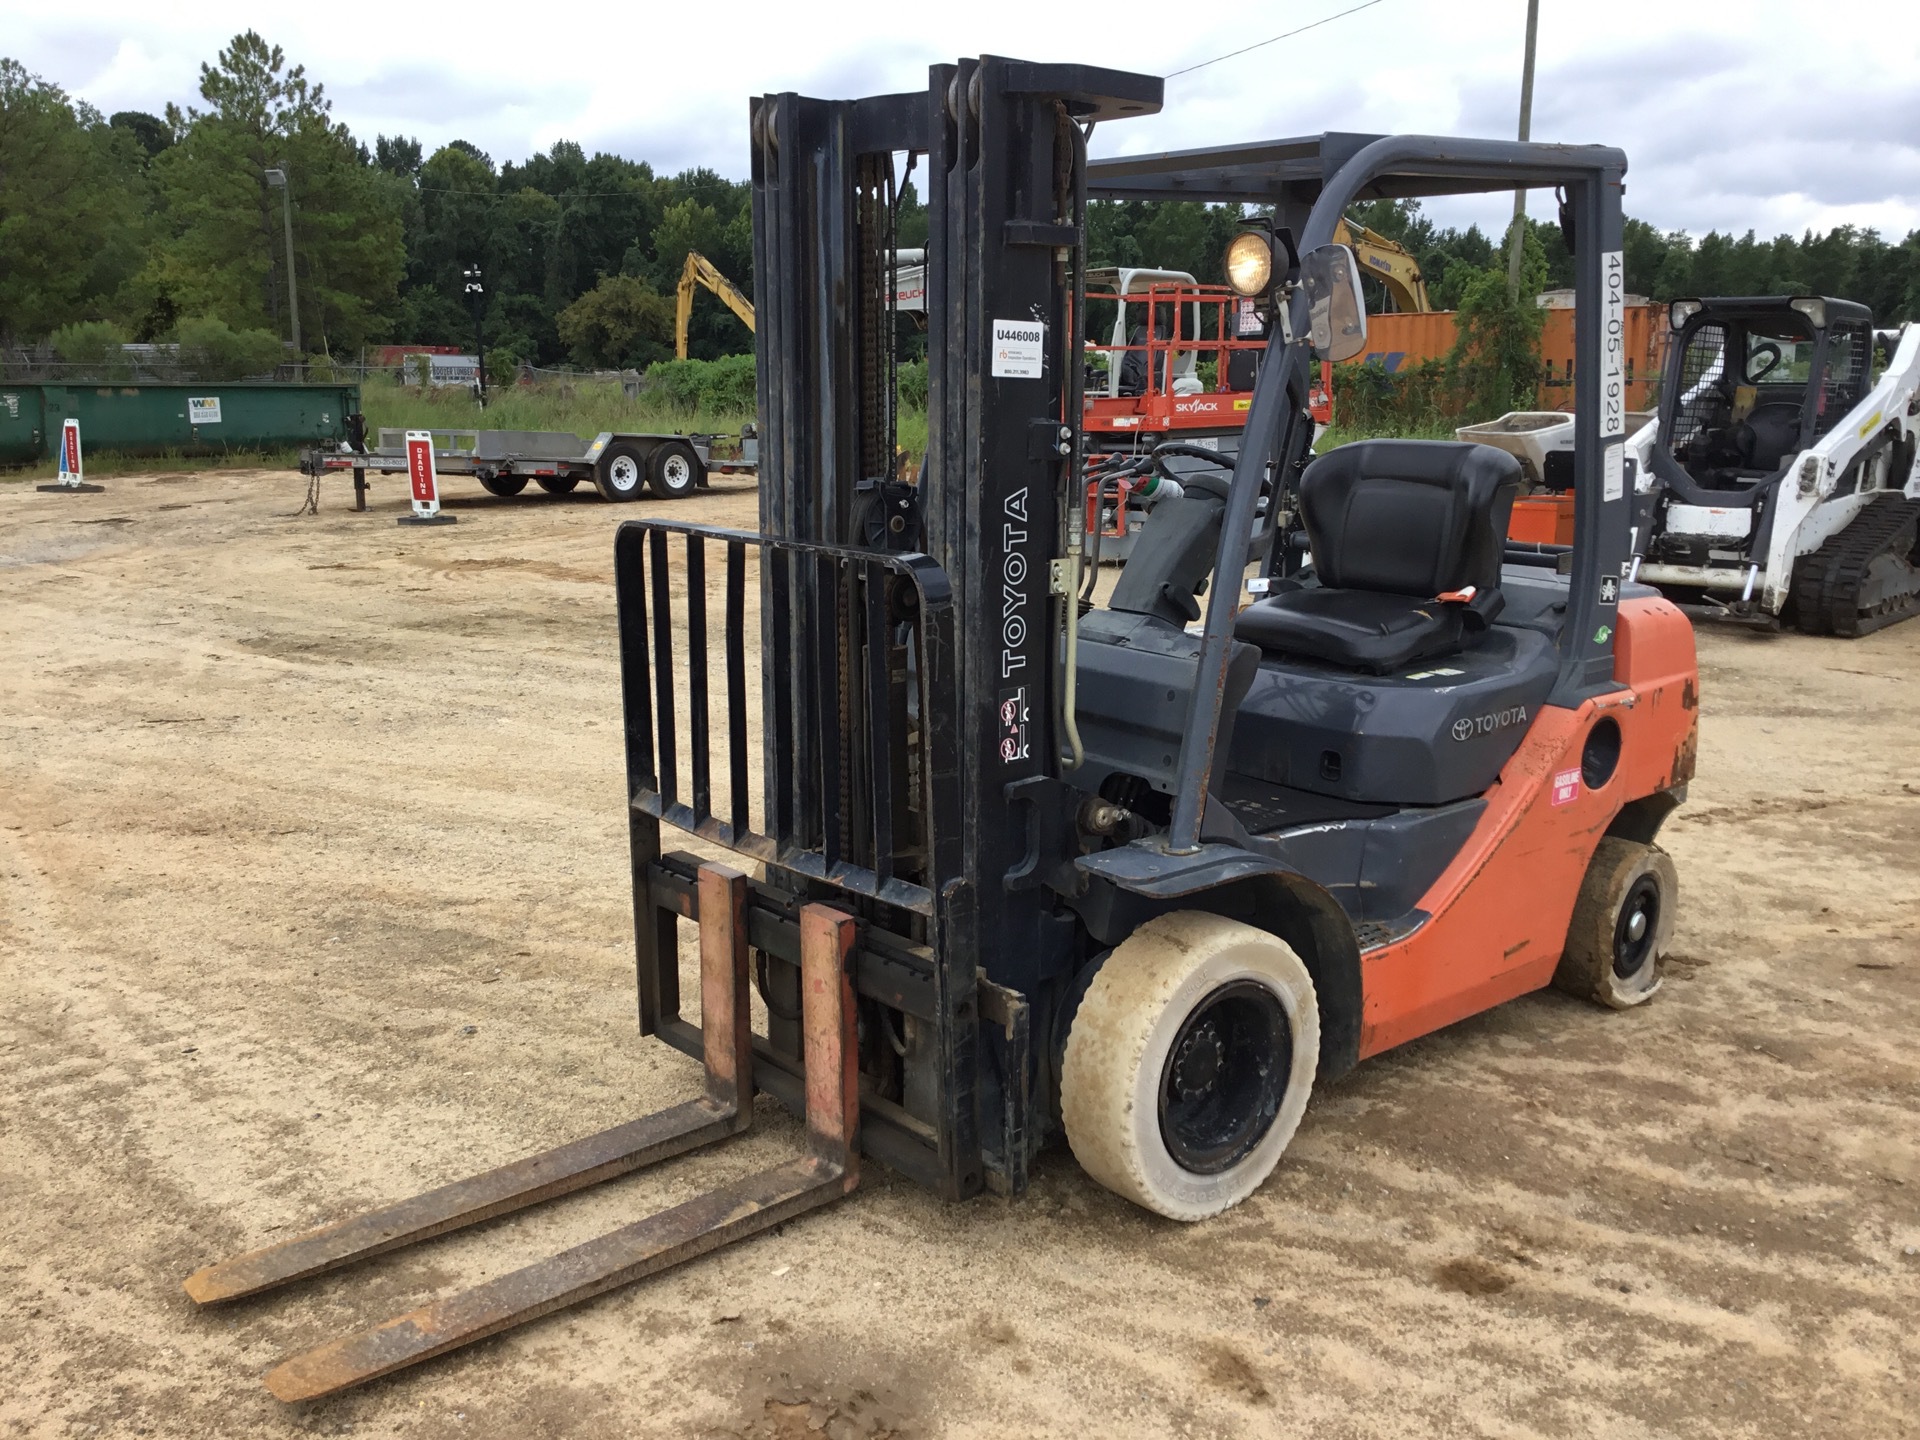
(1019, 349)
(1566, 787)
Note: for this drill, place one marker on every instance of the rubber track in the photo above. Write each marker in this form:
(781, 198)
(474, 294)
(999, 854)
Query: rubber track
(1827, 581)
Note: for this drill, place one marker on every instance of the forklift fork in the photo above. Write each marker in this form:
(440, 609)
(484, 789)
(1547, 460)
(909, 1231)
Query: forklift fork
(828, 1170)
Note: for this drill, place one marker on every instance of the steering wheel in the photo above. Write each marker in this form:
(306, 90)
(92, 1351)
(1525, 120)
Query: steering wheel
(1161, 453)
(1770, 353)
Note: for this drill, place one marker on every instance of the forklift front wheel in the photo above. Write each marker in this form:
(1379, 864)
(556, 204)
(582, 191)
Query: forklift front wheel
(1189, 1063)
(1621, 925)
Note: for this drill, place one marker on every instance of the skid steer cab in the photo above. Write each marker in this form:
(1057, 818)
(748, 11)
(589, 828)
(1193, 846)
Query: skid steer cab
(1780, 483)
(1332, 767)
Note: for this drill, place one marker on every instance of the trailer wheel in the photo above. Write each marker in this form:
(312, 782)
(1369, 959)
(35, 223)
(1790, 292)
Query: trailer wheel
(621, 472)
(559, 484)
(1189, 1063)
(674, 471)
(503, 485)
(1621, 925)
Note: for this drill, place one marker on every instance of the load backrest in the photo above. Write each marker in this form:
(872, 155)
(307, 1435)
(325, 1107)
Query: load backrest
(1409, 517)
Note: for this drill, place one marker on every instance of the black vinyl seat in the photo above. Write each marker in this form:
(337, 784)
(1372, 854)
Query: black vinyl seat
(1394, 525)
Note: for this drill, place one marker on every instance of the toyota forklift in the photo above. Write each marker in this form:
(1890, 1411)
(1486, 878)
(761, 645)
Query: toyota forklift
(1004, 869)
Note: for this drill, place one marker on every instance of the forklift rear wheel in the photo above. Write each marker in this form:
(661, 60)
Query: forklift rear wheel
(1189, 1063)
(1621, 925)
(559, 484)
(674, 470)
(503, 485)
(620, 473)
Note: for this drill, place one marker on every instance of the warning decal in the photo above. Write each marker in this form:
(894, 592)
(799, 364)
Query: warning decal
(1566, 787)
(1015, 738)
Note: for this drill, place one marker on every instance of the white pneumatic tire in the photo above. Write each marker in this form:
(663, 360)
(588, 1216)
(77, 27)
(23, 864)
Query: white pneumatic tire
(1115, 1072)
(1621, 925)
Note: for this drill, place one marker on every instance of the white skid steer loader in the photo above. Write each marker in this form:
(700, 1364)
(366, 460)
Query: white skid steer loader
(1779, 482)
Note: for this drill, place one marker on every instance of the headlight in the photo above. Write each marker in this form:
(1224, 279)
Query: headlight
(1814, 310)
(1250, 263)
(1680, 312)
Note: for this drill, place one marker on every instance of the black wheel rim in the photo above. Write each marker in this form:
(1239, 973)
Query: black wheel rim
(1225, 1077)
(1636, 927)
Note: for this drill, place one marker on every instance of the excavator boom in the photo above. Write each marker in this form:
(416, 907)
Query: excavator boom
(701, 271)
(1391, 264)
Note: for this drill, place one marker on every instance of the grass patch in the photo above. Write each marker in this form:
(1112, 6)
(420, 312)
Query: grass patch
(111, 463)
(583, 407)
(1337, 434)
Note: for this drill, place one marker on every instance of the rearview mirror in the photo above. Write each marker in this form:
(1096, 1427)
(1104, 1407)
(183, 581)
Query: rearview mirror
(1337, 309)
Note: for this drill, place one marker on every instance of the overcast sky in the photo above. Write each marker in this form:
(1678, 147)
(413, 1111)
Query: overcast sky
(1771, 116)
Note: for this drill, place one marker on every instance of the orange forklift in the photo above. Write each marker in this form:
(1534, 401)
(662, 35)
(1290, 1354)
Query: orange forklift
(1009, 872)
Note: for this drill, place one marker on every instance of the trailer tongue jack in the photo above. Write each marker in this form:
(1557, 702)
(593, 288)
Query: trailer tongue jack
(829, 1169)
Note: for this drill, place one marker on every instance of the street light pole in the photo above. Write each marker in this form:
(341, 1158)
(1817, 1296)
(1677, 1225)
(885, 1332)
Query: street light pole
(1517, 245)
(277, 180)
(477, 299)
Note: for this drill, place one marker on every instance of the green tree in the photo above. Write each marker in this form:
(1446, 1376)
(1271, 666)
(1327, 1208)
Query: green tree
(73, 205)
(1495, 363)
(224, 256)
(95, 344)
(211, 349)
(621, 321)
(149, 132)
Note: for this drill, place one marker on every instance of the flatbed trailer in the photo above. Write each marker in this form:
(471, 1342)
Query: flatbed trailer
(620, 464)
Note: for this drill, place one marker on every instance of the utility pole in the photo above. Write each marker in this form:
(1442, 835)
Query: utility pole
(477, 301)
(1518, 241)
(277, 180)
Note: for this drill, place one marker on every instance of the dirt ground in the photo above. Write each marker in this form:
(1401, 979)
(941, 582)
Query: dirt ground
(313, 893)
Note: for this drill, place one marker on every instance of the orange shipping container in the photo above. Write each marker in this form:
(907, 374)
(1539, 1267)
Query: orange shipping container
(1409, 339)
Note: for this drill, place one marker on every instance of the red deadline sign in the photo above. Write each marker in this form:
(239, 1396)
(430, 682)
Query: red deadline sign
(426, 484)
(70, 449)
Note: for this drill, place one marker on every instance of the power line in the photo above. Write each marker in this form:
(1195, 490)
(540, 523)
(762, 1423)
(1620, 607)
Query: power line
(1262, 44)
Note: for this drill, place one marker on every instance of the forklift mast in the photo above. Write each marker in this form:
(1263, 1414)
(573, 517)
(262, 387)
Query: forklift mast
(913, 688)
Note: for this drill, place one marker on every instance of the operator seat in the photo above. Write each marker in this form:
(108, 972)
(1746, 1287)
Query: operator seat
(1768, 435)
(1394, 525)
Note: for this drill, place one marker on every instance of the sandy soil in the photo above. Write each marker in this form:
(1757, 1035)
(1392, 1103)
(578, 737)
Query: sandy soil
(312, 894)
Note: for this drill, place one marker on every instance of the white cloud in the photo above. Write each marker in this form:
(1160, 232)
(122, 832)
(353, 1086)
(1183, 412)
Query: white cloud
(1730, 119)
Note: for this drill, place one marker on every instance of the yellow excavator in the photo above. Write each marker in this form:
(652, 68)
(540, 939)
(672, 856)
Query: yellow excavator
(1391, 264)
(700, 271)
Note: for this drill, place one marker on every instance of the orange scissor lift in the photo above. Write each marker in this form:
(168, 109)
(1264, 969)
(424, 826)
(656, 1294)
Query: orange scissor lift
(1147, 384)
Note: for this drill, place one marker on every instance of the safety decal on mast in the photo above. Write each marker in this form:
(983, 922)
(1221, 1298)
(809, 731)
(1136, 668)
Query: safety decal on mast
(1015, 736)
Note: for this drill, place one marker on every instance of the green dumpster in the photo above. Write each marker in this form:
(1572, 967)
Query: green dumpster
(191, 419)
